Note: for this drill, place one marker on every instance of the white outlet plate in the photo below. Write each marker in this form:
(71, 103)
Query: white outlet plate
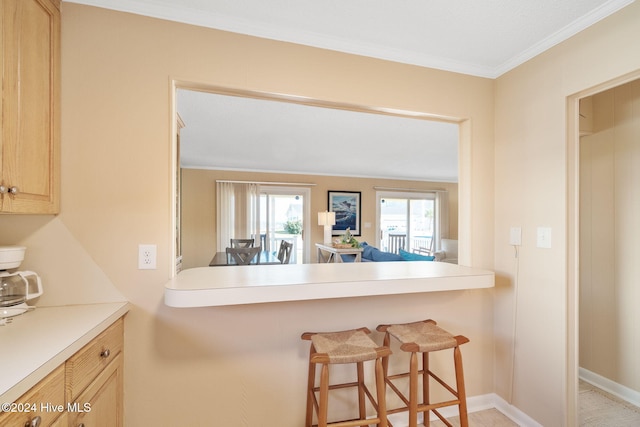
(147, 257)
(515, 236)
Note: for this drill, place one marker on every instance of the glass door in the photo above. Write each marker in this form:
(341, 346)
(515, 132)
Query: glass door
(284, 213)
(407, 221)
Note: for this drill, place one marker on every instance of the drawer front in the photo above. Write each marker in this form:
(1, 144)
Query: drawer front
(44, 400)
(84, 366)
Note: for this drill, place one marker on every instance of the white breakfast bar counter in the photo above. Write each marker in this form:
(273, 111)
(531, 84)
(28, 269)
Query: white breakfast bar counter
(37, 342)
(252, 284)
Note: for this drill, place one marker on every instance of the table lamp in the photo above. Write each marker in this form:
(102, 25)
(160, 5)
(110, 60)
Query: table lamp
(327, 219)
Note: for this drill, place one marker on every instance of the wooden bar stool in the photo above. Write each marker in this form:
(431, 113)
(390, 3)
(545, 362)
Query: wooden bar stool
(352, 346)
(425, 337)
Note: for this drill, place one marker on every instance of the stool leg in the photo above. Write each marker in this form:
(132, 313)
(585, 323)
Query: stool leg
(381, 388)
(361, 403)
(385, 360)
(310, 397)
(324, 396)
(425, 387)
(462, 395)
(413, 390)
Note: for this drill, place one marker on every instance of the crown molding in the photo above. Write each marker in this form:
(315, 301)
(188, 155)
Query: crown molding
(231, 24)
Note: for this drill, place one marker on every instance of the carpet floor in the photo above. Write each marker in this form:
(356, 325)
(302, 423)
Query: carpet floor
(600, 409)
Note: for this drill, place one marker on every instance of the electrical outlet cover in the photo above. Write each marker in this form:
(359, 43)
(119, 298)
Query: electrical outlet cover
(147, 257)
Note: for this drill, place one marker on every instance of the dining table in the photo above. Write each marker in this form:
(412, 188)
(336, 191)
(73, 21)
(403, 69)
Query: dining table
(265, 257)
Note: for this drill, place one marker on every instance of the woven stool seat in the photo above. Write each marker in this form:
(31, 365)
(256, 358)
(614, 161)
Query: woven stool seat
(425, 337)
(422, 337)
(345, 347)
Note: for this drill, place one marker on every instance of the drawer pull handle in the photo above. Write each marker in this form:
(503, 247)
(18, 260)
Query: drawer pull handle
(105, 353)
(35, 422)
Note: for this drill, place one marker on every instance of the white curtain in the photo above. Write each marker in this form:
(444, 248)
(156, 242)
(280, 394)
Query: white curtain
(442, 213)
(238, 212)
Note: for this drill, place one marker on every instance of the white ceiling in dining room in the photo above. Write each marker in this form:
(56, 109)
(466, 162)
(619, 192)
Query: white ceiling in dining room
(481, 38)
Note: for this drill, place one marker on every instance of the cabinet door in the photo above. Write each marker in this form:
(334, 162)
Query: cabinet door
(100, 405)
(61, 421)
(30, 105)
(45, 400)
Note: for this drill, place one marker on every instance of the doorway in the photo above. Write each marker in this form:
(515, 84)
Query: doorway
(577, 211)
(407, 221)
(284, 214)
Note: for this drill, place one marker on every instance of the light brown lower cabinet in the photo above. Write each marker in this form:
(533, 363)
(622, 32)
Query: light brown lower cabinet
(85, 391)
(100, 405)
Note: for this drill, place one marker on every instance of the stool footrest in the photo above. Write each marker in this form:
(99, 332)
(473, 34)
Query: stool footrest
(354, 423)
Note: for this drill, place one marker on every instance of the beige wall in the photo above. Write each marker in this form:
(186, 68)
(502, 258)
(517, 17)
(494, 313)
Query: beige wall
(183, 366)
(531, 191)
(609, 235)
(199, 212)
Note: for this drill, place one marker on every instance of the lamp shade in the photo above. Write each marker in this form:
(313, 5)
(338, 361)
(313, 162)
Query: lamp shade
(326, 218)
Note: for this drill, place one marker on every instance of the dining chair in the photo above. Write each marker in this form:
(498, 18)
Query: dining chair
(243, 256)
(284, 253)
(242, 243)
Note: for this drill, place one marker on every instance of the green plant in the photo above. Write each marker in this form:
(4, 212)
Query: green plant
(348, 239)
(293, 226)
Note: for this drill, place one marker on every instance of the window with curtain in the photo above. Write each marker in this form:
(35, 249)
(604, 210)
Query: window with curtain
(238, 211)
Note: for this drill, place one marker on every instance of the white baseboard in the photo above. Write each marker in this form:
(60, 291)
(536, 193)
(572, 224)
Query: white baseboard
(475, 404)
(611, 387)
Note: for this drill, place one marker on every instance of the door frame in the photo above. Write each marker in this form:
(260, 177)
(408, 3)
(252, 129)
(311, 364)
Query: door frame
(573, 238)
(408, 195)
(306, 211)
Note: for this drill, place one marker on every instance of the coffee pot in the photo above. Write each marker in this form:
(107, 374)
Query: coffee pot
(17, 287)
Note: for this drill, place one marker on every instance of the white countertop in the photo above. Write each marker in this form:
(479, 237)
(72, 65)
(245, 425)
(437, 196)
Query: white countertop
(37, 342)
(251, 284)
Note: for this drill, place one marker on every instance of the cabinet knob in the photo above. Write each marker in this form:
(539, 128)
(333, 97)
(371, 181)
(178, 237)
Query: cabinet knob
(81, 425)
(10, 190)
(105, 353)
(35, 422)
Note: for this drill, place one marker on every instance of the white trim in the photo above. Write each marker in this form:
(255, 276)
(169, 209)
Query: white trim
(623, 392)
(475, 404)
(267, 183)
(563, 34)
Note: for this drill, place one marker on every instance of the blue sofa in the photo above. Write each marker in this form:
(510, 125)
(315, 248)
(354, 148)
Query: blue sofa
(373, 254)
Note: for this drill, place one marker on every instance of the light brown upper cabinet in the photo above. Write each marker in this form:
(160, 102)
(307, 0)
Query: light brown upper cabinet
(30, 137)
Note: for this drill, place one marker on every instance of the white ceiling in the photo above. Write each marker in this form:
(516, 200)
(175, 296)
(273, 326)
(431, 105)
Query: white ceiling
(481, 38)
(236, 133)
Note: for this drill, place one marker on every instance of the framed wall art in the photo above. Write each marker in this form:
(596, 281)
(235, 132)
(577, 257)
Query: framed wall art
(347, 206)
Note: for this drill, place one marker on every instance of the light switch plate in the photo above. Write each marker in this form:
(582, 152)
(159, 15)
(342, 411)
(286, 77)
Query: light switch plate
(544, 237)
